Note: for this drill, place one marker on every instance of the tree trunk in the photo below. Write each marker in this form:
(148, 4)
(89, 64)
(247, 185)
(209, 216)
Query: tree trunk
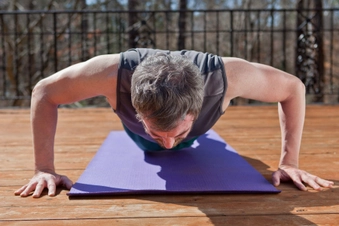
(84, 31)
(309, 51)
(132, 20)
(182, 24)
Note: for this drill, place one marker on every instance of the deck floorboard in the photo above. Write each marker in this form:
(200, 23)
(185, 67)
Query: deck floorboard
(252, 130)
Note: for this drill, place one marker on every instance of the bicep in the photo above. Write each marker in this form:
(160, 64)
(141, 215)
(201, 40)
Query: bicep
(258, 82)
(84, 80)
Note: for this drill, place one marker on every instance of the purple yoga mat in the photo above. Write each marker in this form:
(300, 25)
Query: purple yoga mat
(209, 166)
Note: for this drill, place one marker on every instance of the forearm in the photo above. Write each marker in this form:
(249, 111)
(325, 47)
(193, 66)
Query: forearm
(292, 115)
(43, 120)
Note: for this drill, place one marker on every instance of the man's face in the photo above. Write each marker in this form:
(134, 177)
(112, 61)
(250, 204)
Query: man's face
(172, 138)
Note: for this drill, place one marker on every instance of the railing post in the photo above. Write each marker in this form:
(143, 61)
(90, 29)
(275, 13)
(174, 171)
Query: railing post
(55, 29)
(309, 51)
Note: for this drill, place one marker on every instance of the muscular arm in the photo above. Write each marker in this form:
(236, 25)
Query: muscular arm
(267, 84)
(94, 77)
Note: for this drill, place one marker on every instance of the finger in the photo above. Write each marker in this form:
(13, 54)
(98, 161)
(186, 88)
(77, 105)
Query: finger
(300, 185)
(66, 182)
(312, 183)
(297, 181)
(51, 187)
(324, 183)
(276, 178)
(39, 188)
(29, 188)
(20, 190)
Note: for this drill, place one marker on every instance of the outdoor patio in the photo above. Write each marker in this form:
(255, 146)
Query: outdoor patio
(252, 130)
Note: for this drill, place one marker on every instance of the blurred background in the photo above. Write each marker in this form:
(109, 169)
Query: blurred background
(40, 37)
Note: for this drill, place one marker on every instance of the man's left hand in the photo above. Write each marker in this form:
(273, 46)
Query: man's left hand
(299, 178)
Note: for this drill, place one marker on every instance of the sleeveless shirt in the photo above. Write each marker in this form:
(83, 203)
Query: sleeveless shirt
(215, 86)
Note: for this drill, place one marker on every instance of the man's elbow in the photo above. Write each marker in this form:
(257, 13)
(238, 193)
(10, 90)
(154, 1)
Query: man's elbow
(299, 86)
(295, 88)
(40, 92)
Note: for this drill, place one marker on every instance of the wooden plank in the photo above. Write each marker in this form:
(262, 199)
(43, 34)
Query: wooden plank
(328, 197)
(135, 210)
(253, 131)
(290, 219)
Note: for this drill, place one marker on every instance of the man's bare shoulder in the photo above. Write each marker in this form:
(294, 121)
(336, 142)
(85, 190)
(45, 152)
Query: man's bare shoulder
(234, 68)
(232, 63)
(102, 62)
(109, 58)
(106, 67)
(94, 77)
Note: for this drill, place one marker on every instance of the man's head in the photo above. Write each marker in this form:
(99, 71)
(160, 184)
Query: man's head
(165, 89)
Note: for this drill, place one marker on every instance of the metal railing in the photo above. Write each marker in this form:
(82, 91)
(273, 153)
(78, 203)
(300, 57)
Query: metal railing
(35, 44)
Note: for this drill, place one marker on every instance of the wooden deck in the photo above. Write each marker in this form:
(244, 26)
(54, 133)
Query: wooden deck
(253, 131)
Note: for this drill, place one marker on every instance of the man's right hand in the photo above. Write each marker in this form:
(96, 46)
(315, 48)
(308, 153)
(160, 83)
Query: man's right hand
(43, 180)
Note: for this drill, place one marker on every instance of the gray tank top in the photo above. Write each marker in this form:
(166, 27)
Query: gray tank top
(212, 69)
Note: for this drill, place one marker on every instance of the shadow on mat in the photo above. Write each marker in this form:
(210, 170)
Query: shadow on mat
(248, 209)
(212, 166)
(209, 167)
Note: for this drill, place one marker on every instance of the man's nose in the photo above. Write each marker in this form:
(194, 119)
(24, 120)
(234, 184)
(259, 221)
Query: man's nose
(168, 142)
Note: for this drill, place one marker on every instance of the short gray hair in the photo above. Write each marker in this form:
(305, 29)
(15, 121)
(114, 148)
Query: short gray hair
(165, 88)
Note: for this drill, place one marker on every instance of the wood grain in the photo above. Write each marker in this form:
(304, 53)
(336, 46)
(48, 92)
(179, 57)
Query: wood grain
(253, 131)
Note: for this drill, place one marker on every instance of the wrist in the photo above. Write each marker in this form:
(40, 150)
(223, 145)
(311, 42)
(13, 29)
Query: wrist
(288, 165)
(289, 159)
(45, 169)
